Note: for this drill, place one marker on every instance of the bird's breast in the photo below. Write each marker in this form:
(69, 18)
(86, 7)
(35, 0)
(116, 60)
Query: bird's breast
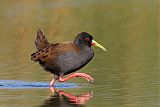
(74, 60)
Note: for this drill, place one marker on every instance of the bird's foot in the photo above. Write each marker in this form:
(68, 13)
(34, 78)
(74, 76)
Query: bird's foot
(51, 83)
(85, 76)
(78, 75)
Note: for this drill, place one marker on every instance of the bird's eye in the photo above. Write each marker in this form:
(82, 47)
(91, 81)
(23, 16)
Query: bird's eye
(87, 39)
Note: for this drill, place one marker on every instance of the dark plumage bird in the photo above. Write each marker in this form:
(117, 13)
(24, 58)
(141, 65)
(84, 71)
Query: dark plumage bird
(64, 58)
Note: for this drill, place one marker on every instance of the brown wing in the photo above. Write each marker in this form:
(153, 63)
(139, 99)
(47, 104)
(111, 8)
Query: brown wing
(49, 53)
(41, 41)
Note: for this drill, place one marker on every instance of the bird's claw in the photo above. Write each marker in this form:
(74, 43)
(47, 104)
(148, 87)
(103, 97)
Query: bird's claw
(91, 80)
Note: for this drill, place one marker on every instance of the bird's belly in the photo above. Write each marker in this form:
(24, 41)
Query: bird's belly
(50, 67)
(72, 61)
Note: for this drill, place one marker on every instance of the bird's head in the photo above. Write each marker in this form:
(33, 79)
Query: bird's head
(85, 38)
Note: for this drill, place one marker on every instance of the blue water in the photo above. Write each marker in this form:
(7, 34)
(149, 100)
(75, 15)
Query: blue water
(19, 84)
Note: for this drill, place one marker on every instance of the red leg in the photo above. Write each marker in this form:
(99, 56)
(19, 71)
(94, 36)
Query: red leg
(53, 80)
(82, 75)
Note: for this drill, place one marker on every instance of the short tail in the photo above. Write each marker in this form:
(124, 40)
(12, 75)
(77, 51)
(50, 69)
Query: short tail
(41, 42)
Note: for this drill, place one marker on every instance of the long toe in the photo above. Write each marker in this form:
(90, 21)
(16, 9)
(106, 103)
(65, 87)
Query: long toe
(91, 81)
(86, 76)
(89, 78)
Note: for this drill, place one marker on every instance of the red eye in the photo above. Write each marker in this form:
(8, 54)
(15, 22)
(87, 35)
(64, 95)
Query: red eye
(87, 39)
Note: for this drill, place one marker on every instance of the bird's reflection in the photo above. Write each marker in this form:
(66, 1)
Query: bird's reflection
(64, 99)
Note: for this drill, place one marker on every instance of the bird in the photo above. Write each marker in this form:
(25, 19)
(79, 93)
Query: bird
(64, 58)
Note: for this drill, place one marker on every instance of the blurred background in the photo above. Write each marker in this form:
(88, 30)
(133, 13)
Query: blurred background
(125, 76)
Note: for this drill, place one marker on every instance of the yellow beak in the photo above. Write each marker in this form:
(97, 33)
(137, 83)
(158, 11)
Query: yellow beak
(94, 43)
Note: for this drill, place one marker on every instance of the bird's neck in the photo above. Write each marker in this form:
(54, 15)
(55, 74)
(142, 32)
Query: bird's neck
(77, 42)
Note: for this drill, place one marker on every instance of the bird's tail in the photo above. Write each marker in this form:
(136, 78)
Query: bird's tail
(41, 42)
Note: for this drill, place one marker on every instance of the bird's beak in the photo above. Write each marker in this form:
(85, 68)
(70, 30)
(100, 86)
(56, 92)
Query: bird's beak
(94, 43)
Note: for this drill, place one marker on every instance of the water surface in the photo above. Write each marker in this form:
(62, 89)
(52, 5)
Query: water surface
(125, 76)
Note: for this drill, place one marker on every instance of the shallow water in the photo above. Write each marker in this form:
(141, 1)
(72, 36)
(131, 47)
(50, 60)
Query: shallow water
(125, 76)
